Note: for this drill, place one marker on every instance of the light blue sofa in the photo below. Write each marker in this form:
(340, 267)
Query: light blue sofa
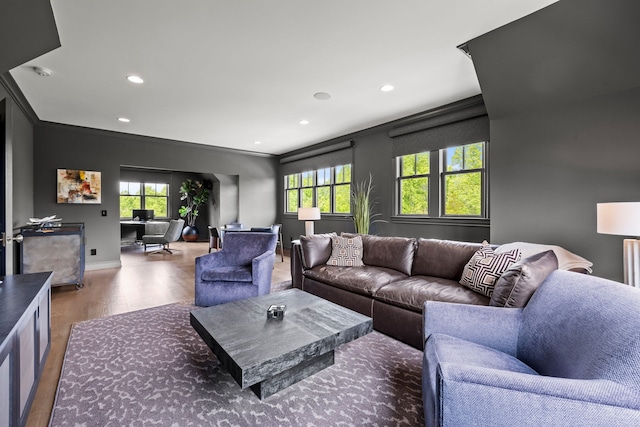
(571, 357)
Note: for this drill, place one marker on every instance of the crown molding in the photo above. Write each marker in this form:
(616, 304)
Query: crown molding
(10, 85)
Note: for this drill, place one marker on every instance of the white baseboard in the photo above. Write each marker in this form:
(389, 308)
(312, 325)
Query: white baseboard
(102, 265)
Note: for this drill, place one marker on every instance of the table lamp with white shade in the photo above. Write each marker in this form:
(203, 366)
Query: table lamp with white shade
(308, 215)
(623, 219)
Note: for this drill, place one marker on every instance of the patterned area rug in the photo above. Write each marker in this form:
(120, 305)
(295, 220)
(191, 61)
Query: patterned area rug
(151, 368)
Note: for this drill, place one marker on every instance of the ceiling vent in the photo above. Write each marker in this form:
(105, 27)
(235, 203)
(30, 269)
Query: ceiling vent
(42, 72)
(464, 48)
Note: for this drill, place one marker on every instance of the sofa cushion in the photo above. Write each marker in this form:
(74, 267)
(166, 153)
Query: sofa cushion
(518, 283)
(316, 249)
(485, 267)
(442, 258)
(364, 280)
(411, 293)
(231, 273)
(346, 251)
(389, 252)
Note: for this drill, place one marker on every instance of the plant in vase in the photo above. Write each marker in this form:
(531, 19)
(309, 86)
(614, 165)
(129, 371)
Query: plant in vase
(195, 194)
(362, 206)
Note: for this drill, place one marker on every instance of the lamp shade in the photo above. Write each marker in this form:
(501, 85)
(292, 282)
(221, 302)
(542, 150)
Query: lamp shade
(308, 214)
(619, 218)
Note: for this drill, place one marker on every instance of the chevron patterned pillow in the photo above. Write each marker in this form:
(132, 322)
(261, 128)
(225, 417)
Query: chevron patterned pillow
(346, 252)
(485, 267)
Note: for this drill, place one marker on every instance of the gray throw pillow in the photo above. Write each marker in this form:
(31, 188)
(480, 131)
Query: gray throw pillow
(518, 283)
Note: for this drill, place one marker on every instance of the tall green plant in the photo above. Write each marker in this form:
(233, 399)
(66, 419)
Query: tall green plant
(195, 194)
(362, 205)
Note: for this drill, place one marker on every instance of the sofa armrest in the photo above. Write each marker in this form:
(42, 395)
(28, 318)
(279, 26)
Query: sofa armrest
(503, 398)
(495, 327)
(296, 264)
(262, 269)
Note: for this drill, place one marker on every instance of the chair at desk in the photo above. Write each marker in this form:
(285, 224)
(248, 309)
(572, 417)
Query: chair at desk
(171, 235)
(214, 238)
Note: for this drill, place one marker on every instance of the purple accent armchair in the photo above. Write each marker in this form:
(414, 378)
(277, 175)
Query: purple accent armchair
(571, 357)
(242, 269)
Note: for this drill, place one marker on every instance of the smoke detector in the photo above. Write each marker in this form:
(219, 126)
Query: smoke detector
(42, 72)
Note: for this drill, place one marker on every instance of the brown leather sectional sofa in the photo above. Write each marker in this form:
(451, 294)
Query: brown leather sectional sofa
(399, 275)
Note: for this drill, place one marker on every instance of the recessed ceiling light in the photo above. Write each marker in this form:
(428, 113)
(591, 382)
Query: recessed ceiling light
(386, 88)
(304, 122)
(321, 96)
(135, 79)
(257, 142)
(123, 120)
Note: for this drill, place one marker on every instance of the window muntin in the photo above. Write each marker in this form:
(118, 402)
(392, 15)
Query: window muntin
(156, 197)
(327, 188)
(459, 190)
(139, 195)
(462, 180)
(413, 183)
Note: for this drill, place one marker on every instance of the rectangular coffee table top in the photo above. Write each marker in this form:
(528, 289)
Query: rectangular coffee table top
(254, 348)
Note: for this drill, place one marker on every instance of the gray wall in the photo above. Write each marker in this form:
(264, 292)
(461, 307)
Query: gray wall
(19, 172)
(60, 146)
(569, 140)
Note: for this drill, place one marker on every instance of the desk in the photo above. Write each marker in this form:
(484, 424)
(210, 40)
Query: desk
(132, 231)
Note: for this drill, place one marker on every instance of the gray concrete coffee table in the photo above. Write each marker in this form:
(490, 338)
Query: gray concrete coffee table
(268, 354)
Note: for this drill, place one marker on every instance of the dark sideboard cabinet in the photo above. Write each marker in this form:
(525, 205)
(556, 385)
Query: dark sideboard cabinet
(60, 249)
(25, 340)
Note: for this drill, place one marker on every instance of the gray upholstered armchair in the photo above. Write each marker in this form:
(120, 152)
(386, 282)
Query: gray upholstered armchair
(242, 269)
(172, 234)
(571, 357)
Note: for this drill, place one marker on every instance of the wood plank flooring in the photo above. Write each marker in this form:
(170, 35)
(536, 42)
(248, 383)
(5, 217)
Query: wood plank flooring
(143, 281)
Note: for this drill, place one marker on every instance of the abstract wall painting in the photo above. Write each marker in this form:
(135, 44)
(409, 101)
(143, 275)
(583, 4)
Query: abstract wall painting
(79, 186)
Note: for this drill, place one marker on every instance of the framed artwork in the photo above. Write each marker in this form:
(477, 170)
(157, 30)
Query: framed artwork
(79, 186)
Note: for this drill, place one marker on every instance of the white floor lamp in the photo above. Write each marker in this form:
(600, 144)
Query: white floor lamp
(623, 219)
(308, 215)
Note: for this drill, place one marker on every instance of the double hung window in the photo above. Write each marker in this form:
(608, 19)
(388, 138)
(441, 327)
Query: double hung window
(143, 195)
(327, 188)
(458, 190)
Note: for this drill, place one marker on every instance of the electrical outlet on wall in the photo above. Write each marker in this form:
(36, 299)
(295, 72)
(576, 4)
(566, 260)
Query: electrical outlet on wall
(94, 252)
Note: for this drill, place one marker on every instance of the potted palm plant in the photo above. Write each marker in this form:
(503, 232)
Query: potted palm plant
(362, 206)
(194, 194)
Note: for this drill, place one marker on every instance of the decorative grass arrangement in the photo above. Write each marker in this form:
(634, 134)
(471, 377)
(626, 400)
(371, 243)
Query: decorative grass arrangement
(362, 206)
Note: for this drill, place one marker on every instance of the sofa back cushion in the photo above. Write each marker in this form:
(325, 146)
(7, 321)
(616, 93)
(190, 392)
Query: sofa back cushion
(442, 258)
(390, 252)
(316, 249)
(582, 327)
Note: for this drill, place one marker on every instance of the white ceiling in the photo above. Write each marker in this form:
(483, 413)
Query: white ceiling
(228, 73)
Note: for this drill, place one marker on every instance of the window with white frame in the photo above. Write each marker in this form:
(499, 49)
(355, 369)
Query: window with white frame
(327, 188)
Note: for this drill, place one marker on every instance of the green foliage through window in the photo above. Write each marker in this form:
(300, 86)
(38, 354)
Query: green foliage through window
(137, 195)
(414, 184)
(461, 184)
(327, 188)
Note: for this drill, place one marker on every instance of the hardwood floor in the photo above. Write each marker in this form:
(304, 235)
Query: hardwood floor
(143, 281)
